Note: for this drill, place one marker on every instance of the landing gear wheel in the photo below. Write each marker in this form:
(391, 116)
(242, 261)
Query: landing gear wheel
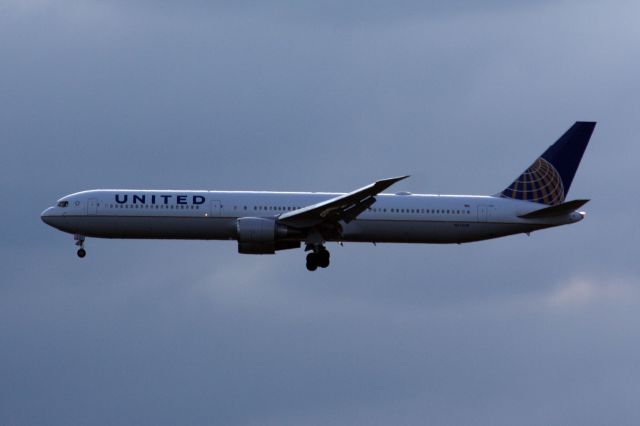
(323, 258)
(80, 244)
(312, 262)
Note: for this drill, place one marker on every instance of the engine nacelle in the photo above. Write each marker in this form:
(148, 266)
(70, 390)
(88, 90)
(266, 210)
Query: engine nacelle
(259, 235)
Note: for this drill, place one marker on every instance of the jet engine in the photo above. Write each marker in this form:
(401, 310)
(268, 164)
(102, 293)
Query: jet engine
(259, 235)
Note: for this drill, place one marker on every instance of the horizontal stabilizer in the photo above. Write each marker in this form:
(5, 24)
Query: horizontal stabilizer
(558, 210)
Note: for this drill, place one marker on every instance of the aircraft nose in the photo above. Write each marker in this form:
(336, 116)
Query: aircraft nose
(46, 215)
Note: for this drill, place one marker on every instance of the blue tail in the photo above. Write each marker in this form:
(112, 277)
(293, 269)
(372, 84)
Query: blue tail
(549, 178)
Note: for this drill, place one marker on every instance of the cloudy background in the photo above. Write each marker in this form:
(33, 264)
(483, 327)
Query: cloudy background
(309, 95)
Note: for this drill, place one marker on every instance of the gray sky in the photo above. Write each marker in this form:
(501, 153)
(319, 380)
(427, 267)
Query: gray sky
(328, 96)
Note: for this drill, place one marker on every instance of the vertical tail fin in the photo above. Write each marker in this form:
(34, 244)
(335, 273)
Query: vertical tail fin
(549, 178)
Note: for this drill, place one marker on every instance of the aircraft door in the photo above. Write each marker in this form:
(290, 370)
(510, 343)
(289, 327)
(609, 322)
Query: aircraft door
(482, 213)
(92, 206)
(215, 208)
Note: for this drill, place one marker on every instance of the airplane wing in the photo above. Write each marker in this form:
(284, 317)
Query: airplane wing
(345, 207)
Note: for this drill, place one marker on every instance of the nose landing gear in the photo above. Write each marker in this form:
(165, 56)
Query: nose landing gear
(319, 257)
(80, 243)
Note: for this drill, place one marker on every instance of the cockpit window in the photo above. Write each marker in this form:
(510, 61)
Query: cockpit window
(63, 204)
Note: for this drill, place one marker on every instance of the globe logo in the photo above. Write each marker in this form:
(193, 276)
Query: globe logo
(540, 183)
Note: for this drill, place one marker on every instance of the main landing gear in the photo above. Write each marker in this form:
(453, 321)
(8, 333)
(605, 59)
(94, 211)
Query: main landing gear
(80, 243)
(318, 257)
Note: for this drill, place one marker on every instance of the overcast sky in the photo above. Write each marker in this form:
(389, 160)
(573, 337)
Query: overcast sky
(326, 96)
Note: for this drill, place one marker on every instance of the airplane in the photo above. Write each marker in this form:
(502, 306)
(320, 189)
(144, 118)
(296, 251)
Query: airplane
(266, 222)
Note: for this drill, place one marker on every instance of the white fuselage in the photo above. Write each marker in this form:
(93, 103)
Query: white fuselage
(213, 215)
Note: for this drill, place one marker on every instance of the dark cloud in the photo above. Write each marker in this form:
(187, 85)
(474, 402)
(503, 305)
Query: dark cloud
(316, 96)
